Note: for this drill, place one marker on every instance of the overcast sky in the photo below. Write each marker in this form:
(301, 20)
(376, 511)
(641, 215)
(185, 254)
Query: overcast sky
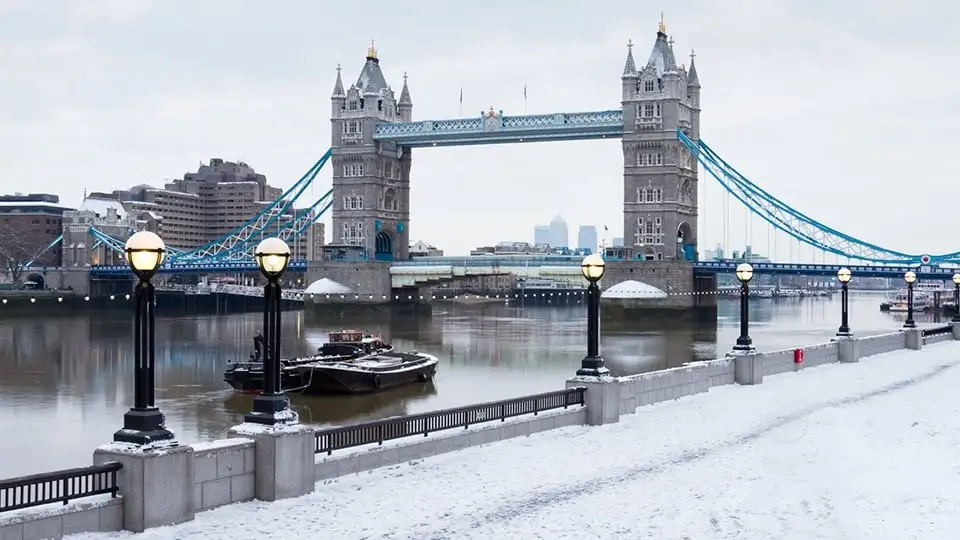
(846, 110)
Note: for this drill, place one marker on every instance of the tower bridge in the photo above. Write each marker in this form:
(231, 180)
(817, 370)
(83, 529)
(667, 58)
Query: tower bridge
(657, 122)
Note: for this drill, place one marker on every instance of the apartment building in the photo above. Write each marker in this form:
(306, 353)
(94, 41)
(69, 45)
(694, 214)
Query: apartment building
(212, 202)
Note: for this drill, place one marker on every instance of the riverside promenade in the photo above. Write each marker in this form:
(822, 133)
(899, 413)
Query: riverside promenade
(754, 446)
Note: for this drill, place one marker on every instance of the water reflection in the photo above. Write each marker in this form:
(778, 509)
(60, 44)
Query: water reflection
(66, 382)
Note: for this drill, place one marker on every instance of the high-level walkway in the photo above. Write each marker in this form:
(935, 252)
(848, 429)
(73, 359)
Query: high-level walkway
(842, 451)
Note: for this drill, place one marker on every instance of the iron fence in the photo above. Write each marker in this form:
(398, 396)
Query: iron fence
(58, 486)
(338, 438)
(936, 331)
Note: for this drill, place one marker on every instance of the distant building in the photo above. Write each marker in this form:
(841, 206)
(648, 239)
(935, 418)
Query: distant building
(423, 249)
(28, 224)
(618, 241)
(541, 234)
(587, 238)
(513, 248)
(559, 233)
(109, 217)
(207, 205)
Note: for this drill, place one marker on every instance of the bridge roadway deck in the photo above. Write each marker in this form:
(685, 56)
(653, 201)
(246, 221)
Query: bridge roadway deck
(475, 265)
(850, 451)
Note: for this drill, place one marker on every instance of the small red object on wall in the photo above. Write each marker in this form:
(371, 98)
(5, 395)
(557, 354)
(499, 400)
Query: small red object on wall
(798, 356)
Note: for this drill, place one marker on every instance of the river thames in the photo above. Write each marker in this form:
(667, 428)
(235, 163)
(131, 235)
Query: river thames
(66, 382)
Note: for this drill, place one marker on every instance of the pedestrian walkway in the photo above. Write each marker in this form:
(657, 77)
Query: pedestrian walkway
(856, 451)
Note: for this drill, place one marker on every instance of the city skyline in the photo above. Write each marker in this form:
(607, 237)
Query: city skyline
(80, 89)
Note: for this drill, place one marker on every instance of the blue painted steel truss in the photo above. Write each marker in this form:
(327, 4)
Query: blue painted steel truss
(208, 267)
(494, 128)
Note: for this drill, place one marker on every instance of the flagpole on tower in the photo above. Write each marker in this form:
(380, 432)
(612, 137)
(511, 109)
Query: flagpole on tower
(524, 97)
(461, 102)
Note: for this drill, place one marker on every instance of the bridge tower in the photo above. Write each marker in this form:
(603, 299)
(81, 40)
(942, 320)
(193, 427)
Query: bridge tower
(371, 179)
(659, 175)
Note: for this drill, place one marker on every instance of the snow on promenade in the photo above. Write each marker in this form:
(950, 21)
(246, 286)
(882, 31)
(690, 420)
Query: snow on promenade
(864, 451)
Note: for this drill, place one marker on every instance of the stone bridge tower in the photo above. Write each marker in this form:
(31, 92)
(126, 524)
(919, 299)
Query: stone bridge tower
(371, 180)
(659, 175)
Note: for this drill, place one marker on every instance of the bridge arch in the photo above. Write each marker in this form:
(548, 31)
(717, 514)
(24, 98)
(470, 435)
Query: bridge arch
(383, 246)
(686, 243)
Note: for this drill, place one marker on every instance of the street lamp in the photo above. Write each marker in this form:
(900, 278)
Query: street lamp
(144, 423)
(844, 276)
(744, 275)
(592, 268)
(271, 406)
(956, 298)
(910, 277)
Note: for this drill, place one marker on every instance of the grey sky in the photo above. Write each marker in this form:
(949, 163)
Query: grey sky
(846, 110)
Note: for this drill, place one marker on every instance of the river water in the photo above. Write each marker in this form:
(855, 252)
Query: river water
(66, 382)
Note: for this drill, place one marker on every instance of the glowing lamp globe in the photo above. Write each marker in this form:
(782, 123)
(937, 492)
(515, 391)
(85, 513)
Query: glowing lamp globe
(910, 276)
(844, 275)
(744, 272)
(145, 252)
(273, 256)
(592, 267)
(956, 279)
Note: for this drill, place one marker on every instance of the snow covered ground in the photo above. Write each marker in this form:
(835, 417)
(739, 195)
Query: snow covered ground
(864, 451)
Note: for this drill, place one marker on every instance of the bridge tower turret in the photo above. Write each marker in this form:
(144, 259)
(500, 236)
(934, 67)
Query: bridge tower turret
(659, 175)
(371, 179)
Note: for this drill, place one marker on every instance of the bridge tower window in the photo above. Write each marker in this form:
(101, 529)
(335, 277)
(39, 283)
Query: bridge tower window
(648, 86)
(351, 170)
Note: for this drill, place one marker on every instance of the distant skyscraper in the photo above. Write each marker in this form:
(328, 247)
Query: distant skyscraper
(618, 241)
(541, 234)
(587, 238)
(559, 234)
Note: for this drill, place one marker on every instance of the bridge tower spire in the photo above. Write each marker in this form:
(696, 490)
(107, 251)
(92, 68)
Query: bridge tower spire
(659, 175)
(371, 179)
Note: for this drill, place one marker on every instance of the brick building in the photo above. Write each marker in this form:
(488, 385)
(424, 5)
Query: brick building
(28, 224)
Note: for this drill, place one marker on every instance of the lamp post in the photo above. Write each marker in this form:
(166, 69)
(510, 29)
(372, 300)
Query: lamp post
(592, 268)
(844, 276)
(956, 298)
(271, 406)
(744, 275)
(144, 423)
(910, 277)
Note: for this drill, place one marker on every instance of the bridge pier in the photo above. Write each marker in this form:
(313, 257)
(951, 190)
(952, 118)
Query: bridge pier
(369, 280)
(689, 294)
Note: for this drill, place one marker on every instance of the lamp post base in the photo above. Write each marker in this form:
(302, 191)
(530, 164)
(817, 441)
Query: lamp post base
(143, 426)
(744, 344)
(956, 318)
(844, 332)
(270, 410)
(592, 366)
(910, 324)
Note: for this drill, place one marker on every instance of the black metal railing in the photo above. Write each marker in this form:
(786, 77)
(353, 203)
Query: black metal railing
(398, 427)
(936, 331)
(58, 486)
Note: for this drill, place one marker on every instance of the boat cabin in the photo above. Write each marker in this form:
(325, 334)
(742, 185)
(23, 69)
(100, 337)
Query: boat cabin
(346, 336)
(342, 341)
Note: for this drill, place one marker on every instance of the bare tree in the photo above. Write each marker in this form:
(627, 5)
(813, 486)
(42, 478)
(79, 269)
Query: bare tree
(16, 250)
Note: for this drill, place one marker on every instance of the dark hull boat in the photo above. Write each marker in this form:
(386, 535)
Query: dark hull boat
(346, 345)
(368, 374)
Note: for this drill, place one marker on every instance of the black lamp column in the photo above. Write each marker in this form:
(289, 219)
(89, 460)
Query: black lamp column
(910, 277)
(956, 298)
(144, 423)
(271, 407)
(744, 275)
(844, 275)
(592, 268)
